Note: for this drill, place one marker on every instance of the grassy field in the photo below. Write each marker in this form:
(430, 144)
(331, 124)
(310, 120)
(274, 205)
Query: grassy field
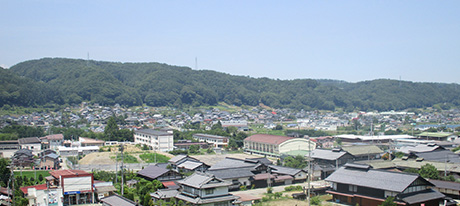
(30, 174)
(150, 158)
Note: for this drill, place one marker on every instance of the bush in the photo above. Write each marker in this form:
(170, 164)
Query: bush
(269, 190)
(315, 200)
(293, 188)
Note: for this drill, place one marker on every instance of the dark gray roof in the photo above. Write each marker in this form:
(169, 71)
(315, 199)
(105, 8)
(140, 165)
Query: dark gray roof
(327, 154)
(440, 156)
(379, 179)
(446, 184)
(421, 196)
(232, 173)
(285, 170)
(200, 201)
(261, 160)
(152, 171)
(52, 155)
(231, 163)
(152, 132)
(202, 180)
(29, 140)
(116, 200)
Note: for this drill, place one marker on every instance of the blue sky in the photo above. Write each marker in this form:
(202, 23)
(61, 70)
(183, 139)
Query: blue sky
(344, 40)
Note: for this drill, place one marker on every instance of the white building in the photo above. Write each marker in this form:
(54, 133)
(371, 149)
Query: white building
(217, 141)
(157, 140)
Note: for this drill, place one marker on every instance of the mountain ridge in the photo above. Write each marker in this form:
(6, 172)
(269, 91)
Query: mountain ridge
(158, 84)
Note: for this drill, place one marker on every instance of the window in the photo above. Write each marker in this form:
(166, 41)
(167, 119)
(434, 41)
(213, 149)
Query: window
(352, 188)
(209, 191)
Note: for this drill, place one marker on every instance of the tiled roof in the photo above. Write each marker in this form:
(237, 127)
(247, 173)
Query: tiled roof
(421, 196)
(37, 187)
(53, 137)
(363, 150)
(29, 140)
(152, 171)
(232, 173)
(285, 170)
(363, 176)
(268, 139)
(116, 200)
(446, 184)
(327, 154)
(177, 158)
(59, 173)
(201, 180)
(231, 163)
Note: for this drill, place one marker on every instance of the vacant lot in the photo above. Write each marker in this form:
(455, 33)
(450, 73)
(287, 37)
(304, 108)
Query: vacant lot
(108, 157)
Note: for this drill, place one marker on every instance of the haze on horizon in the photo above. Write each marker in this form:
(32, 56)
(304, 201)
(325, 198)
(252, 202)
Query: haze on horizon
(342, 40)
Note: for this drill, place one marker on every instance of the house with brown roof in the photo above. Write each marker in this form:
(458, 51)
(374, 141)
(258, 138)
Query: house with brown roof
(274, 145)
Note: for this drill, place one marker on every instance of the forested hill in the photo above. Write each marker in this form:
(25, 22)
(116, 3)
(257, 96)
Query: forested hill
(69, 81)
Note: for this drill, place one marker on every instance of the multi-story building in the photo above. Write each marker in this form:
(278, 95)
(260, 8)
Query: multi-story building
(156, 140)
(217, 141)
(76, 186)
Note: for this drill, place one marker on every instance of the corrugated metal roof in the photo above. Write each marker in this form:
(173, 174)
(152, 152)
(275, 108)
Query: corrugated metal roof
(268, 139)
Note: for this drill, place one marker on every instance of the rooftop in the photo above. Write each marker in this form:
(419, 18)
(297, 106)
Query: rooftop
(268, 139)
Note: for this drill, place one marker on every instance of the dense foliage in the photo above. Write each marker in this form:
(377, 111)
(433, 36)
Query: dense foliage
(60, 81)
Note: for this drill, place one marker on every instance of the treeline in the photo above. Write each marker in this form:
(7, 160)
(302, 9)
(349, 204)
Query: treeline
(71, 81)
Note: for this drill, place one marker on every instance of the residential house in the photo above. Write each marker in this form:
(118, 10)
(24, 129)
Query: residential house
(164, 195)
(450, 189)
(31, 143)
(42, 195)
(324, 142)
(88, 142)
(241, 125)
(23, 158)
(329, 160)
(156, 140)
(103, 189)
(364, 152)
(238, 171)
(360, 184)
(185, 163)
(117, 200)
(205, 189)
(52, 141)
(50, 161)
(274, 146)
(215, 140)
(154, 172)
(288, 175)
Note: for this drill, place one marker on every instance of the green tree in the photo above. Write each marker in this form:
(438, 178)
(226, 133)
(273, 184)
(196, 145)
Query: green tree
(429, 171)
(111, 130)
(295, 162)
(5, 171)
(389, 202)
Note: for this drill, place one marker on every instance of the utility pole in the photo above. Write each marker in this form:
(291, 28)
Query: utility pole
(122, 169)
(309, 170)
